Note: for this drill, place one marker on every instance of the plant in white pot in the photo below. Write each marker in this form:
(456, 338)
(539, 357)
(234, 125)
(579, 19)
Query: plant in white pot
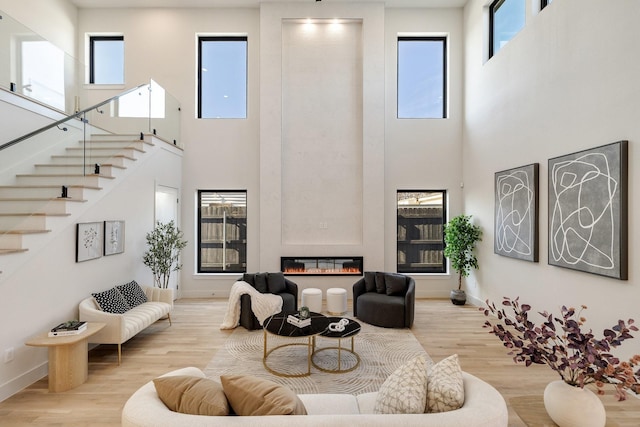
(163, 254)
(460, 237)
(573, 352)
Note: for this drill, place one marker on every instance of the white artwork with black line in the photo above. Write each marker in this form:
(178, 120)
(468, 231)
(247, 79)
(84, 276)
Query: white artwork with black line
(113, 237)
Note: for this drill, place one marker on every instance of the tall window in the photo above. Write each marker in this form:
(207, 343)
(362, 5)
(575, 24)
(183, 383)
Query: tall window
(222, 231)
(422, 77)
(421, 215)
(506, 19)
(544, 3)
(106, 60)
(222, 77)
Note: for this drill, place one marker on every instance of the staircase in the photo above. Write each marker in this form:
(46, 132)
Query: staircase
(28, 208)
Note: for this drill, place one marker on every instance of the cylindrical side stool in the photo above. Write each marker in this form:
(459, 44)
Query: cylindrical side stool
(312, 298)
(336, 301)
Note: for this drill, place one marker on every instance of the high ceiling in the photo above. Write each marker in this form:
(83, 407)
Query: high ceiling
(251, 3)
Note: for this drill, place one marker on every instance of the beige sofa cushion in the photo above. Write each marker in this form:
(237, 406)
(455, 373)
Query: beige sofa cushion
(249, 395)
(192, 395)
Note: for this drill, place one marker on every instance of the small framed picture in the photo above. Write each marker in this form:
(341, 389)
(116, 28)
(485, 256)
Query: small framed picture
(113, 237)
(88, 241)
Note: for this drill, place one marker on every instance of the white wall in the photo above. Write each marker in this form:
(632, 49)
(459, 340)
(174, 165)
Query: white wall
(567, 82)
(248, 154)
(423, 154)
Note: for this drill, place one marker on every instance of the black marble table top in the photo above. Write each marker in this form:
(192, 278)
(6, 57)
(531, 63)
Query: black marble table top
(278, 325)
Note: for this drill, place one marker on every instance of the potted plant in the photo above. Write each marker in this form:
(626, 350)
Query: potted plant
(460, 237)
(162, 257)
(577, 356)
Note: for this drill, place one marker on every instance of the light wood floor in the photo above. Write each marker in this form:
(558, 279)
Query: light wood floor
(441, 328)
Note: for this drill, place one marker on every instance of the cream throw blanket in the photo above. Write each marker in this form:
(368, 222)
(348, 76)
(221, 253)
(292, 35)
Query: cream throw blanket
(262, 305)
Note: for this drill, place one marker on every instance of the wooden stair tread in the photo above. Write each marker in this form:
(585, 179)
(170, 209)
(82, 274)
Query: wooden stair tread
(24, 231)
(70, 175)
(32, 214)
(67, 165)
(12, 251)
(102, 156)
(106, 148)
(40, 199)
(89, 187)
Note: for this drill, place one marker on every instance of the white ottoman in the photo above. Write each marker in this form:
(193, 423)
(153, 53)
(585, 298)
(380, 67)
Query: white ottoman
(312, 298)
(336, 301)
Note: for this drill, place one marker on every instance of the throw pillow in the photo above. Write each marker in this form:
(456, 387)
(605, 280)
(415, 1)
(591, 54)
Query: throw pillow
(405, 391)
(249, 395)
(445, 387)
(395, 284)
(275, 283)
(132, 293)
(192, 395)
(250, 278)
(381, 287)
(111, 301)
(370, 281)
(260, 282)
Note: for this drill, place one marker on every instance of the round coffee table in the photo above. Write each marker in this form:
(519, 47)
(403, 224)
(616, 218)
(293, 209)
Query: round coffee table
(278, 325)
(351, 329)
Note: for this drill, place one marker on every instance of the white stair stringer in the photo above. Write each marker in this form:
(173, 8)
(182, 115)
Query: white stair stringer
(32, 213)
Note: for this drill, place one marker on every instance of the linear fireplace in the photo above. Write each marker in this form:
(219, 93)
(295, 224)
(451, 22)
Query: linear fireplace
(322, 266)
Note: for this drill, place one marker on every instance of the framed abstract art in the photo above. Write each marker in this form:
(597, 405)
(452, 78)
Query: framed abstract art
(516, 213)
(588, 210)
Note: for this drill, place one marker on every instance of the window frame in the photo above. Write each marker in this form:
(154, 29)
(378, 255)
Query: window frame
(92, 39)
(240, 242)
(409, 240)
(445, 98)
(231, 38)
(544, 3)
(493, 8)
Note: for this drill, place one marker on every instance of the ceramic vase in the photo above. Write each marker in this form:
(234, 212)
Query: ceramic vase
(458, 297)
(570, 406)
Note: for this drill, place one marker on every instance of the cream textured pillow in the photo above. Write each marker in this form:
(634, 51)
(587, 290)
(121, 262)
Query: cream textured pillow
(249, 395)
(192, 395)
(445, 388)
(405, 391)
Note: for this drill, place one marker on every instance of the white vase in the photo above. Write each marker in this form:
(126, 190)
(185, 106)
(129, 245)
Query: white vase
(570, 406)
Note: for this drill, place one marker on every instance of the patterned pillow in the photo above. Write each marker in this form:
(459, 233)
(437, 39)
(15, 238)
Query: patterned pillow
(111, 301)
(445, 388)
(405, 391)
(132, 293)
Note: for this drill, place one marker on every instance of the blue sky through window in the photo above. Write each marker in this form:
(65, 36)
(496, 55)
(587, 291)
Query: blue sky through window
(108, 61)
(421, 78)
(223, 85)
(508, 20)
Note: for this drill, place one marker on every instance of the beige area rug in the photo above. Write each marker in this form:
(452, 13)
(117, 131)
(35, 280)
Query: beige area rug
(381, 351)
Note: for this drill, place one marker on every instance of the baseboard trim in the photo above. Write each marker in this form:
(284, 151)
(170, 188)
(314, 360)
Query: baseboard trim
(19, 383)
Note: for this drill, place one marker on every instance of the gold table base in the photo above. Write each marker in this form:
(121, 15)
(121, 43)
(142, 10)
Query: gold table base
(310, 344)
(340, 349)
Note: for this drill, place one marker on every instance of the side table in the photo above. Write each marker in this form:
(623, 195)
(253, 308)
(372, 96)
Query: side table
(68, 357)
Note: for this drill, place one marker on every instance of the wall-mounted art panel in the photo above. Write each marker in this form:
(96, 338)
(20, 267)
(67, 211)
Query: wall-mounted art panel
(113, 237)
(516, 213)
(88, 241)
(588, 210)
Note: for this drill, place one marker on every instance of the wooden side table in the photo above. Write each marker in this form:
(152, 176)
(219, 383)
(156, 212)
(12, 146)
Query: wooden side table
(68, 357)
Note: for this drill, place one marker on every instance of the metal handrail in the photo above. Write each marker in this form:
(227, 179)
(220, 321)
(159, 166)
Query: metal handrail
(69, 117)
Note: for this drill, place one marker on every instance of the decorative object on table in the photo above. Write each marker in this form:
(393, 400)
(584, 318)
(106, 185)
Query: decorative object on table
(88, 241)
(460, 237)
(516, 213)
(113, 237)
(304, 312)
(163, 254)
(299, 321)
(576, 355)
(71, 327)
(338, 326)
(588, 210)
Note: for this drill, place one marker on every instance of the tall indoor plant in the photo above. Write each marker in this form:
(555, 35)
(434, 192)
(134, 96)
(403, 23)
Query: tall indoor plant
(163, 254)
(460, 237)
